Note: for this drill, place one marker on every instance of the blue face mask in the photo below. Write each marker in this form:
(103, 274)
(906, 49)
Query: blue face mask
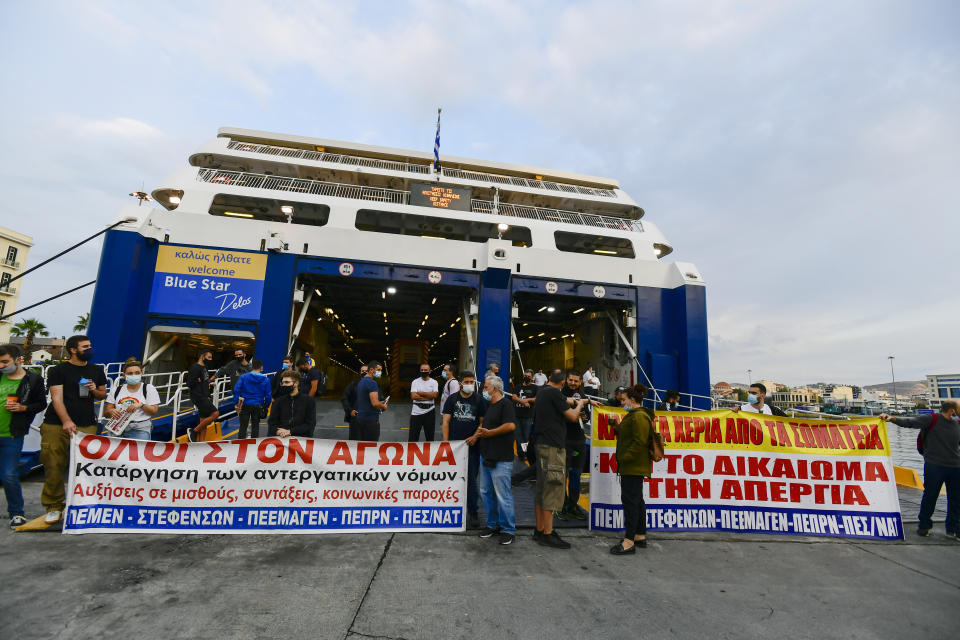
(286, 365)
(444, 374)
(486, 396)
(752, 398)
(133, 380)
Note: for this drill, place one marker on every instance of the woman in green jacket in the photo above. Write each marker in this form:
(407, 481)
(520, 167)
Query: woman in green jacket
(633, 463)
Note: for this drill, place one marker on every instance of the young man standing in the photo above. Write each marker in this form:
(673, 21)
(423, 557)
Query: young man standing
(495, 442)
(309, 377)
(423, 415)
(23, 396)
(349, 402)
(198, 384)
(553, 412)
(755, 397)
(294, 413)
(236, 367)
(462, 417)
(524, 396)
(252, 395)
(74, 386)
(369, 406)
(940, 436)
(450, 385)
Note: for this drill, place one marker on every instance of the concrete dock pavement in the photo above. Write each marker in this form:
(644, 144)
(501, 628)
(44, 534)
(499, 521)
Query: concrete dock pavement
(430, 586)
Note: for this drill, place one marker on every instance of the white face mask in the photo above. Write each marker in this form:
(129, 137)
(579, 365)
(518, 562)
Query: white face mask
(468, 389)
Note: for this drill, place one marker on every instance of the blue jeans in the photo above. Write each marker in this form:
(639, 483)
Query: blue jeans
(934, 477)
(10, 449)
(522, 434)
(498, 496)
(137, 433)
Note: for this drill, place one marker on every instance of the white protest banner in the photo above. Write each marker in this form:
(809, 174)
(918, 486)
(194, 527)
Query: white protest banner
(270, 485)
(751, 473)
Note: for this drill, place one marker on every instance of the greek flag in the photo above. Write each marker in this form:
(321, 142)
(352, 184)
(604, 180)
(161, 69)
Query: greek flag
(436, 146)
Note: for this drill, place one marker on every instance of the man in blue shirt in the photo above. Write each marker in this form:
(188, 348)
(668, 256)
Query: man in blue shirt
(252, 395)
(369, 406)
(462, 418)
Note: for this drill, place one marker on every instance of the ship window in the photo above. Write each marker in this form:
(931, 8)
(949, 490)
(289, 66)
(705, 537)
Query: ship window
(409, 224)
(248, 208)
(594, 244)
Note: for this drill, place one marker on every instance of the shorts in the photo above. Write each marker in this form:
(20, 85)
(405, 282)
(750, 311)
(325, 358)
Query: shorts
(551, 471)
(204, 405)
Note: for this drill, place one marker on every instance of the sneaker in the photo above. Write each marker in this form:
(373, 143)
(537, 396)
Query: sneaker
(489, 533)
(506, 538)
(577, 513)
(52, 517)
(923, 533)
(553, 540)
(473, 521)
(16, 521)
(562, 515)
(537, 534)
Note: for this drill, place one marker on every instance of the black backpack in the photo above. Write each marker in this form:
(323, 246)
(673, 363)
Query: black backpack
(923, 433)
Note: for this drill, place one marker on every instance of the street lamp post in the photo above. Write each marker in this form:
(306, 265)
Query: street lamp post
(750, 376)
(894, 378)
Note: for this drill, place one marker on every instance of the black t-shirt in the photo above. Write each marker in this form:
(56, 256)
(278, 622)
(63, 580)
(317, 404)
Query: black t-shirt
(465, 414)
(574, 429)
(525, 391)
(79, 409)
(198, 380)
(306, 378)
(549, 425)
(499, 448)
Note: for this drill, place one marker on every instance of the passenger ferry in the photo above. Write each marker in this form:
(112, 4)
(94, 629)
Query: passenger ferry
(285, 244)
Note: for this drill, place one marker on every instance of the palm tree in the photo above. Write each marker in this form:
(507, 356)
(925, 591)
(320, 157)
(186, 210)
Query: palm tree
(30, 328)
(83, 321)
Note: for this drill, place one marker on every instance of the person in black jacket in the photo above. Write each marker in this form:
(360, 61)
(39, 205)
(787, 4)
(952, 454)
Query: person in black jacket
(349, 402)
(23, 396)
(293, 413)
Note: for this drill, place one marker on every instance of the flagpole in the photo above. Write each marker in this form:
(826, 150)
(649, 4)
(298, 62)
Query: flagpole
(436, 148)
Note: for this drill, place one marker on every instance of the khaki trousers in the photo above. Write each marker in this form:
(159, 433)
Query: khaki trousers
(55, 456)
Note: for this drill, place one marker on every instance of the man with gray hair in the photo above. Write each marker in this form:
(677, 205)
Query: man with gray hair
(495, 438)
(939, 443)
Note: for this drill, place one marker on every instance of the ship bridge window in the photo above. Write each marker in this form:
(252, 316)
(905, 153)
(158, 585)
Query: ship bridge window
(408, 224)
(593, 244)
(268, 209)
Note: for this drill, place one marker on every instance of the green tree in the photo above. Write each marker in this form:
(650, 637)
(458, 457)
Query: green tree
(741, 395)
(83, 321)
(29, 328)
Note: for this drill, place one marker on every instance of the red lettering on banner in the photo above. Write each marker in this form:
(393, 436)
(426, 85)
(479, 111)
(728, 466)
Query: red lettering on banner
(182, 449)
(798, 490)
(678, 433)
(797, 439)
(714, 434)
(874, 441)
(653, 487)
(671, 459)
(675, 488)
(853, 494)
(778, 491)
(605, 429)
(846, 428)
(150, 451)
(783, 469)
(277, 454)
(130, 446)
(756, 432)
(782, 435)
(773, 436)
(732, 436)
(212, 454)
(296, 450)
(699, 489)
(875, 471)
(730, 490)
(664, 427)
(422, 454)
(362, 449)
(699, 426)
(849, 470)
(808, 438)
(722, 466)
(822, 434)
(835, 437)
(398, 453)
(758, 467)
(445, 454)
(242, 448)
(608, 463)
(103, 444)
(693, 465)
(340, 453)
(755, 489)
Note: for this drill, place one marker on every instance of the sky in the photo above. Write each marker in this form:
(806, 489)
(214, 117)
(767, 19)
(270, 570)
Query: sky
(803, 154)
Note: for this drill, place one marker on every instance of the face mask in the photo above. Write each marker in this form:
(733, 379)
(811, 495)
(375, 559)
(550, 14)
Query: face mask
(377, 374)
(284, 390)
(486, 396)
(134, 380)
(468, 389)
(87, 355)
(444, 374)
(285, 366)
(527, 378)
(424, 374)
(9, 370)
(208, 360)
(752, 399)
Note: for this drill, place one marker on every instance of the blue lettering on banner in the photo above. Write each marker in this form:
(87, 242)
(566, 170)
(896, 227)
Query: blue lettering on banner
(233, 298)
(791, 522)
(204, 519)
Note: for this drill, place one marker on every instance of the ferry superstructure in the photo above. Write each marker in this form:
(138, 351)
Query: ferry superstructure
(290, 244)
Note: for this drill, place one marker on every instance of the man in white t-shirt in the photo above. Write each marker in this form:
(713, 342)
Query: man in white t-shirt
(539, 378)
(755, 398)
(591, 381)
(423, 391)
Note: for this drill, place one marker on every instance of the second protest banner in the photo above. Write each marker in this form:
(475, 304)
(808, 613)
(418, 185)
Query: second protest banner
(753, 473)
(271, 485)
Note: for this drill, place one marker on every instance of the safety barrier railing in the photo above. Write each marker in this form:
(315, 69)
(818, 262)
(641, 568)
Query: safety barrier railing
(394, 165)
(394, 196)
(556, 215)
(323, 156)
(527, 182)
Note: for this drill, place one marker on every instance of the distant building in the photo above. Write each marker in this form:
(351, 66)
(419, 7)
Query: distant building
(14, 248)
(792, 398)
(770, 385)
(43, 348)
(722, 390)
(943, 386)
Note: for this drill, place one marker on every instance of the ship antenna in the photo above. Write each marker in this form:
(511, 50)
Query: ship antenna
(141, 195)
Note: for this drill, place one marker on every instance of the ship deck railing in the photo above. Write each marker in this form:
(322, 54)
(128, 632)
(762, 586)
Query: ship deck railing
(410, 167)
(396, 196)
